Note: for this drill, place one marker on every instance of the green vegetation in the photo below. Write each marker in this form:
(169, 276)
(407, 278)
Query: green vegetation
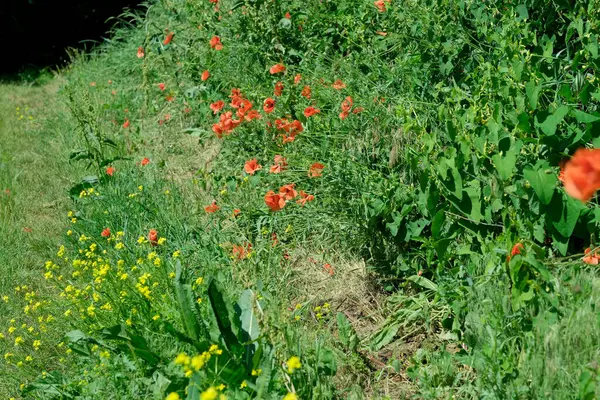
(292, 200)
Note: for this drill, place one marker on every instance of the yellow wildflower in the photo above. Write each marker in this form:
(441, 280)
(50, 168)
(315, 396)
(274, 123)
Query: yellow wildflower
(293, 364)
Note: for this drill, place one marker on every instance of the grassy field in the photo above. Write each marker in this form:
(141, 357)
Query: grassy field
(281, 200)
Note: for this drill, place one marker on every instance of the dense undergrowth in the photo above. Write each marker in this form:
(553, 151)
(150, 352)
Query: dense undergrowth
(241, 160)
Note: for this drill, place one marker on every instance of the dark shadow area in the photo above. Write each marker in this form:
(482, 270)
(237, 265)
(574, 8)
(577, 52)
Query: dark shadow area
(36, 33)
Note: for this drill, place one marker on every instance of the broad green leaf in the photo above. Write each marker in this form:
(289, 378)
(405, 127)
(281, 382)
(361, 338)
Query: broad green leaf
(187, 304)
(248, 323)
(543, 183)
(423, 282)
(522, 11)
(437, 223)
(552, 121)
(223, 312)
(584, 118)
(505, 165)
(346, 332)
(384, 336)
(327, 363)
(564, 214)
(533, 93)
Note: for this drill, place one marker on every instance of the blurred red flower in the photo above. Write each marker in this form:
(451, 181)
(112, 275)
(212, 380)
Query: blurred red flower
(288, 191)
(211, 208)
(338, 85)
(582, 174)
(306, 92)
(168, 38)
(215, 43)
(316, 170)
(278, 89)
(252, 166)
(310, 111)
(217, 106)
(205, 75)
(276, 69)
(274, 201)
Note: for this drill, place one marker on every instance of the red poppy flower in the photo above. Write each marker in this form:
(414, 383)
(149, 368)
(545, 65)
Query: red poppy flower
(168, 38)
(516, 249)
(110, 170)
(278, 89)
(338, 85)
(153, 237)
(161, 86)
(252, 114)
(140, 52)
(358, 110)
(205, 75)
(170, 98)
(145, 161)
(380, 5)
(296, 127)
(304, 198)
(310, 111)
(241, 252)
(329, 269)
(297, 79)
(274, 201)
(105, 232)
(251, 166)
(344, 115)
(269, 105)
(276, 69)
(582, 174)
(126, 124)
(211, 208)
(280, 160)
(215, 43)
(217, 106)
(275, 169)
(306, 92)
(288, 15)
(347, 104)
(316, 170)
(236, 212)
(591, 258)
(288, 191)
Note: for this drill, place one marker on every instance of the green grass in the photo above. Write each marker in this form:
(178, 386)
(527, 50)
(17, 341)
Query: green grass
(394, 282)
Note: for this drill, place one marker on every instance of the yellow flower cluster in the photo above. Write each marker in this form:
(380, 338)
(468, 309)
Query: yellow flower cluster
(196, 363)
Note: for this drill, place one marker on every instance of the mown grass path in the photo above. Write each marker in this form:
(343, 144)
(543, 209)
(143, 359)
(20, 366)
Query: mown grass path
(33, 199)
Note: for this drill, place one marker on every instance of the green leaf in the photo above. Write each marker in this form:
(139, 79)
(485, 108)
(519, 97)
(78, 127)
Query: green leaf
(564, 214)
(584, 118)
(384, 336)
(248, 323)
(187, 304)
(522, 11)
(346, 332)
(437, 223)
(505, 165)
(223, 312)
(542, 183)
(327, 363)
(552, 121)
(533, 93)
(423, 282)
